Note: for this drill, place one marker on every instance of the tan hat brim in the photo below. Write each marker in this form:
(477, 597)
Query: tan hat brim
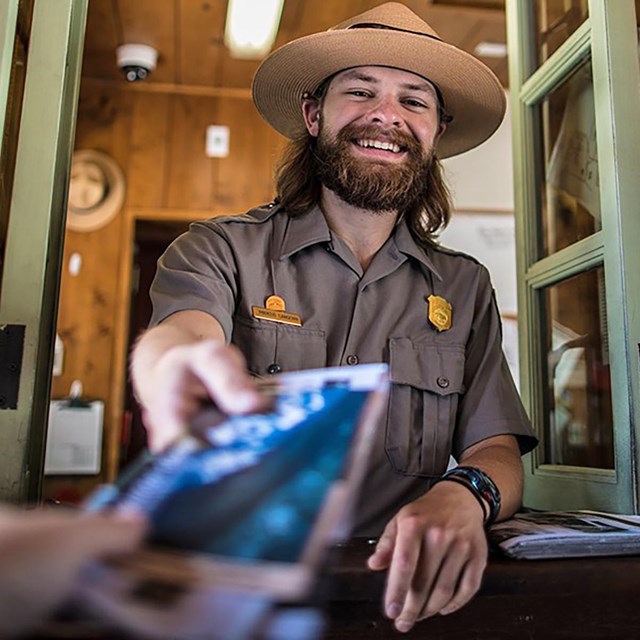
(472, 93)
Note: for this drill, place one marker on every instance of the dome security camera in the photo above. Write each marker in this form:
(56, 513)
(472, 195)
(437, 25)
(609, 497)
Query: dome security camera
(136, 61)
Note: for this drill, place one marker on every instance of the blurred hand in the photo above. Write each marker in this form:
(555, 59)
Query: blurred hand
(188, 375)
(435, 550)
(42, 552)
(180, 364)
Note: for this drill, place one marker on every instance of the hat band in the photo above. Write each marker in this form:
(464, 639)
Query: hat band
(374, 25)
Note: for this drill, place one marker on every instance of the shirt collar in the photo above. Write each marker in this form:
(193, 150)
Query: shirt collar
(311, 228)
(406, 244)
(303, 231)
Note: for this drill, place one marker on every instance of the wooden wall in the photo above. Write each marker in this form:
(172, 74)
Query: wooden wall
(158, 141)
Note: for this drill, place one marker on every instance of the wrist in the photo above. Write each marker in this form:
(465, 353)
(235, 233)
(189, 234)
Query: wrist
(463, 500)
(480, 485)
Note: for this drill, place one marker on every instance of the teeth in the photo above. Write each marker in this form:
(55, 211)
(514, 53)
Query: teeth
(378, 144)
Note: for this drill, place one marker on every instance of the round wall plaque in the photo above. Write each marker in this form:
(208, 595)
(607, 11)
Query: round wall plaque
(96, 190)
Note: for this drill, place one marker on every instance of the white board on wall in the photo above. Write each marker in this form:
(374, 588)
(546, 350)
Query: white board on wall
(490, 238)
(482, 179)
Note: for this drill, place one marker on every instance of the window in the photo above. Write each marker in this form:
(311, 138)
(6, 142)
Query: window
(575, 95)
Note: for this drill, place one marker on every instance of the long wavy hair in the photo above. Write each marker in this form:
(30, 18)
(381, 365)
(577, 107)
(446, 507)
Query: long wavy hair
(298, 189)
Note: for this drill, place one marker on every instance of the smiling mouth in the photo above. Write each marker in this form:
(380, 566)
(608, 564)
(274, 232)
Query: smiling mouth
(379, 144)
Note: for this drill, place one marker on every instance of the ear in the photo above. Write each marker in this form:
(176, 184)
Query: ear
(311, 115)
(441, 129)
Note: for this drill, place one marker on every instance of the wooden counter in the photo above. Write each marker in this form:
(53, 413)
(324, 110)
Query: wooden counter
(574, 599)
(586, 598)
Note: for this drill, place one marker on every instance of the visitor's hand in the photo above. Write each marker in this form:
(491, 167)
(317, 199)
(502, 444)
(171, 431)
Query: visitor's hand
(42, 552)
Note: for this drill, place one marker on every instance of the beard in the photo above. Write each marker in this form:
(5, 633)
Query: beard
(367, 184)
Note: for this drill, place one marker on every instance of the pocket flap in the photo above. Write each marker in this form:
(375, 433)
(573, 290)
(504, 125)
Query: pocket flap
(266, 343)
(431, 367)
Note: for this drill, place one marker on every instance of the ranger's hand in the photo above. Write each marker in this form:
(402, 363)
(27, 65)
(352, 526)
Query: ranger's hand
(435, 550)
(188, 375)
(182, 363)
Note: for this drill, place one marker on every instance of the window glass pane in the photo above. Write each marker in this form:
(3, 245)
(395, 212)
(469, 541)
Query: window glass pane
(567, 155)
(579, 421)
(556, 21)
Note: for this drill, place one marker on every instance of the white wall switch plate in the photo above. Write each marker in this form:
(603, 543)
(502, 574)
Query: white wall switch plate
(217, 141)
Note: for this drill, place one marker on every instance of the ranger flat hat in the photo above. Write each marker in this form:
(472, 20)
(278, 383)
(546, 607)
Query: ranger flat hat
(389, 35)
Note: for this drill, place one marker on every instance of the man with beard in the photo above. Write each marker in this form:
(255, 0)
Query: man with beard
(348, 250)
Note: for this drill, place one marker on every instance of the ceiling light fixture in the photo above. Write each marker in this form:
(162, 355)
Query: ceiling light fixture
(251, 27)
(491, 50)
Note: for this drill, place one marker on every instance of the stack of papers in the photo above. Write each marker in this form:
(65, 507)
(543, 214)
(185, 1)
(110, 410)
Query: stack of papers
(567, 534)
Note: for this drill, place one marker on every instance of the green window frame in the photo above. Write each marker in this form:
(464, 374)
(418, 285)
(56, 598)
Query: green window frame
(33, 257)
(609, 39)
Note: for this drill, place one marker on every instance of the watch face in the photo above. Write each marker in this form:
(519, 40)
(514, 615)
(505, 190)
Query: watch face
(88, 186)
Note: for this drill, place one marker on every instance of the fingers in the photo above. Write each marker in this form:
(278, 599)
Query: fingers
(399, 603)
(99, 535)
(41, 553)
(381, 557)
(187, 375)
(467, 587)
(69, 535)
(176, 395)
(425, 583)
(436, 564)
(222, 370)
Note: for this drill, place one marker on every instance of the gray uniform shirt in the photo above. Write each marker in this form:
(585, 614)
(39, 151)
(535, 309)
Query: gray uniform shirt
(451, 388)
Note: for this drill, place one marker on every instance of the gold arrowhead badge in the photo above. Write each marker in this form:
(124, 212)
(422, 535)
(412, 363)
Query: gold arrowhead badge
(440, 313)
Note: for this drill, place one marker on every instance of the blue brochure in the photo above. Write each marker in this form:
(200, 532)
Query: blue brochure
(259, 498)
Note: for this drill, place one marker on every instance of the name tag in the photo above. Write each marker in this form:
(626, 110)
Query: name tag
(274, 310)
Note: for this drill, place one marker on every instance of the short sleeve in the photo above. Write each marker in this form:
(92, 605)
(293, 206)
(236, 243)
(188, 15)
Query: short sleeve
(491, 405)
(197, 272)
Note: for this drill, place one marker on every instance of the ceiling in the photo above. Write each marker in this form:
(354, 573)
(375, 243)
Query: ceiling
(189, 36)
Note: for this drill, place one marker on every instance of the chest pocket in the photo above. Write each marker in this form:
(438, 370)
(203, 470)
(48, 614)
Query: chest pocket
(427, 384)
(271, 347)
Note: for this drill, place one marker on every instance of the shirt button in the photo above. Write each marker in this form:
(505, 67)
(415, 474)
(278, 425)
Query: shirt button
(352, 359)
(442, 382)
(274, 368)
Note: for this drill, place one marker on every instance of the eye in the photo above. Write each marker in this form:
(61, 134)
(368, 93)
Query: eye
(415, 103)
(359, 93)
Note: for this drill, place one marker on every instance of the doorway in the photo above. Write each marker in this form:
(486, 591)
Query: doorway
(151, 238)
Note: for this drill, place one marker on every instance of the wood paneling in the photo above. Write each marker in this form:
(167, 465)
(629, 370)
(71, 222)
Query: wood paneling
(86, 315)
(245, 178)
(189, 33)
(191, 182)
(200, 54)
(88, 306)
(103, 36)
(147, 170)
(236, 73)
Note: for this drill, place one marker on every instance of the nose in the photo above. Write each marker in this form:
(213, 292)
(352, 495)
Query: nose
(386, 111)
